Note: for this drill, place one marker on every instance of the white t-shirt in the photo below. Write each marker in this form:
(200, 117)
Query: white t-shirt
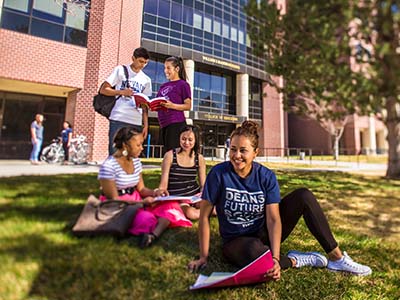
(125, 109)
(112, 170)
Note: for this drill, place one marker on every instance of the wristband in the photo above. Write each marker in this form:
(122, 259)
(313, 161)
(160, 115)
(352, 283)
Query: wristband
(277, 259)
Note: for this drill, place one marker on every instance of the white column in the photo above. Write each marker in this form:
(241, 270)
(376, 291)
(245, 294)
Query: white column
(372, 134)
(242, 95)
(189, 68)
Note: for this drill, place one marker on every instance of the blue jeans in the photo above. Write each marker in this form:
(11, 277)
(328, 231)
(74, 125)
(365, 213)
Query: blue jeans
(113, 129)
(36, 150)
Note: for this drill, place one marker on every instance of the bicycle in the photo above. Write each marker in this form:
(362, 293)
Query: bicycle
(53, 153)
(79, 150)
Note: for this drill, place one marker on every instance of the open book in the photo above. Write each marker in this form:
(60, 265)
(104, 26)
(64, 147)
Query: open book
(153, 104)
(192, 199)
(250, 274)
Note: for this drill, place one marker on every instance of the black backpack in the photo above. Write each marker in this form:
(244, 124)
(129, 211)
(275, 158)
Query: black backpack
(104, 104)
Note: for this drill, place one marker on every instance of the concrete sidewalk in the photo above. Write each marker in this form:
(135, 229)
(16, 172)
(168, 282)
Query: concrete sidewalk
(10, 168)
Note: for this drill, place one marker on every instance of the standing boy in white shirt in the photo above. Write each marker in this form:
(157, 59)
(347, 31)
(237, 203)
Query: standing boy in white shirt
(125, 112)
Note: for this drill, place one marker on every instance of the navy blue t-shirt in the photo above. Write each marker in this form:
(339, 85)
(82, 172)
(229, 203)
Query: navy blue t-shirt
(65, 133)
(240, 202)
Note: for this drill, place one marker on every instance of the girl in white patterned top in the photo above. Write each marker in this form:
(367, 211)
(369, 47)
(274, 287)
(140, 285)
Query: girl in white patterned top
(121, 178)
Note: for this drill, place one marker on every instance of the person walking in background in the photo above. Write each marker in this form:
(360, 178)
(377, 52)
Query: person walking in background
(227, 146)
(180, 169)
(66, 136)
(36, 138)
(253, 218)
(125, 112)
(179, 98)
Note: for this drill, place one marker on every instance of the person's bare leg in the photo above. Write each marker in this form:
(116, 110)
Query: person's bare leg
(335, 254)
(192, 213)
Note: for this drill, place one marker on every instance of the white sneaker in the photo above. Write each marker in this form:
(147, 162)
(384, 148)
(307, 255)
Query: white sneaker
(346, 264)
(304, 259)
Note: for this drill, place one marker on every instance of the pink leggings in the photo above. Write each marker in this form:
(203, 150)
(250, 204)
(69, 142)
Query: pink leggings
(146, 220)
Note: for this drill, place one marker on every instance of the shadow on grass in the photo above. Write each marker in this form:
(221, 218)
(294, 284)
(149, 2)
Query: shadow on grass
(103, 268)
(370, 206)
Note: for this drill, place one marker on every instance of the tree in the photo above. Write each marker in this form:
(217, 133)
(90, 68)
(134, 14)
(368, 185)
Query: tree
(313, 47)
(380, 23)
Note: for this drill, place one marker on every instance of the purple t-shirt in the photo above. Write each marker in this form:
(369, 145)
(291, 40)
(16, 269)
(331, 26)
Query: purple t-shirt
(175, 91)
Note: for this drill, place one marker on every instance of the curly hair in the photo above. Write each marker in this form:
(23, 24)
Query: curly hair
(248, 129)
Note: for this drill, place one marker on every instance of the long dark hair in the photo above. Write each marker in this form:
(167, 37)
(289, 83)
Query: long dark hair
(123, 136)
(195, 131)
(178, 62)
(249, 130)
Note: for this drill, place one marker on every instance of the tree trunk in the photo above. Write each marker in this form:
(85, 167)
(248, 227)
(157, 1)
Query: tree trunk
(393, 126)
(336, 147)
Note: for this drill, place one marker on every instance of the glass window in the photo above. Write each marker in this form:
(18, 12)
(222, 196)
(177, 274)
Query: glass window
(15, 22)
(197, 21)
(150, 6)
(188, 15)
(241, 37)
(64, 21)
(255, 98)
(77, 16)
(47, 30)
(176, 26)
(149, 36)
(233, 34)
(176, 12)
(163, 22)
(150, 19)
(248, 40)
(217, 27)
(20, 5)
(207, 24)
(50, 7)
(163, 9)
(225, 31)
(76, 37)
(216, 83)
(209, 9)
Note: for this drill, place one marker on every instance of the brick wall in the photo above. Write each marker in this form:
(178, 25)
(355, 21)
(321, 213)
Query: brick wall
(274, 129)
(34, 59)
(114, 32)
(307, 133)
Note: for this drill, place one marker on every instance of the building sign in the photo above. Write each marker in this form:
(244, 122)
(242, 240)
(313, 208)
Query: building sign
(217, 117)
(221, 62)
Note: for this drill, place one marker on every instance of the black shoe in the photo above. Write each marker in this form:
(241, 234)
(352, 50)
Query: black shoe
(147, 240)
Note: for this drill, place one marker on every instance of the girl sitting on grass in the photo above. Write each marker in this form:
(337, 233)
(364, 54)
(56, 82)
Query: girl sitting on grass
(121, 178)
(253, 218)
(180, 169)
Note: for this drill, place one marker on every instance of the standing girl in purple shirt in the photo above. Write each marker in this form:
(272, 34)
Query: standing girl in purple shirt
(178, 93)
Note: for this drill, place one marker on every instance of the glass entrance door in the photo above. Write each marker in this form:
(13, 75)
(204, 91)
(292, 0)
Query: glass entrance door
(17, 111)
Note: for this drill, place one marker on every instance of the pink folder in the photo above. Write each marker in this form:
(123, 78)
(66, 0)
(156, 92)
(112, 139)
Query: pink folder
(250, 274)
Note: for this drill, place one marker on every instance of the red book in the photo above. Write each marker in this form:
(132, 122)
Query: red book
(153, 104)
(254, 272)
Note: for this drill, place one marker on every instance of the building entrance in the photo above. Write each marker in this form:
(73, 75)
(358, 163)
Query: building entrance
(213, 137)
(17, 111)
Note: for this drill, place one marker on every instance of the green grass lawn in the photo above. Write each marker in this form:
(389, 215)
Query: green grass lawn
(40, 259)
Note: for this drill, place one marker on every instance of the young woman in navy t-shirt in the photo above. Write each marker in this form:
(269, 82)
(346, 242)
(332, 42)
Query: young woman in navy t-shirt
(253, 218)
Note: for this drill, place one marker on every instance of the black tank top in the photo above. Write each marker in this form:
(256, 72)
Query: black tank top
(182, 180)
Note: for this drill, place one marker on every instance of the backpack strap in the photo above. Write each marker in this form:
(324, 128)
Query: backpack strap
(126, 75)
